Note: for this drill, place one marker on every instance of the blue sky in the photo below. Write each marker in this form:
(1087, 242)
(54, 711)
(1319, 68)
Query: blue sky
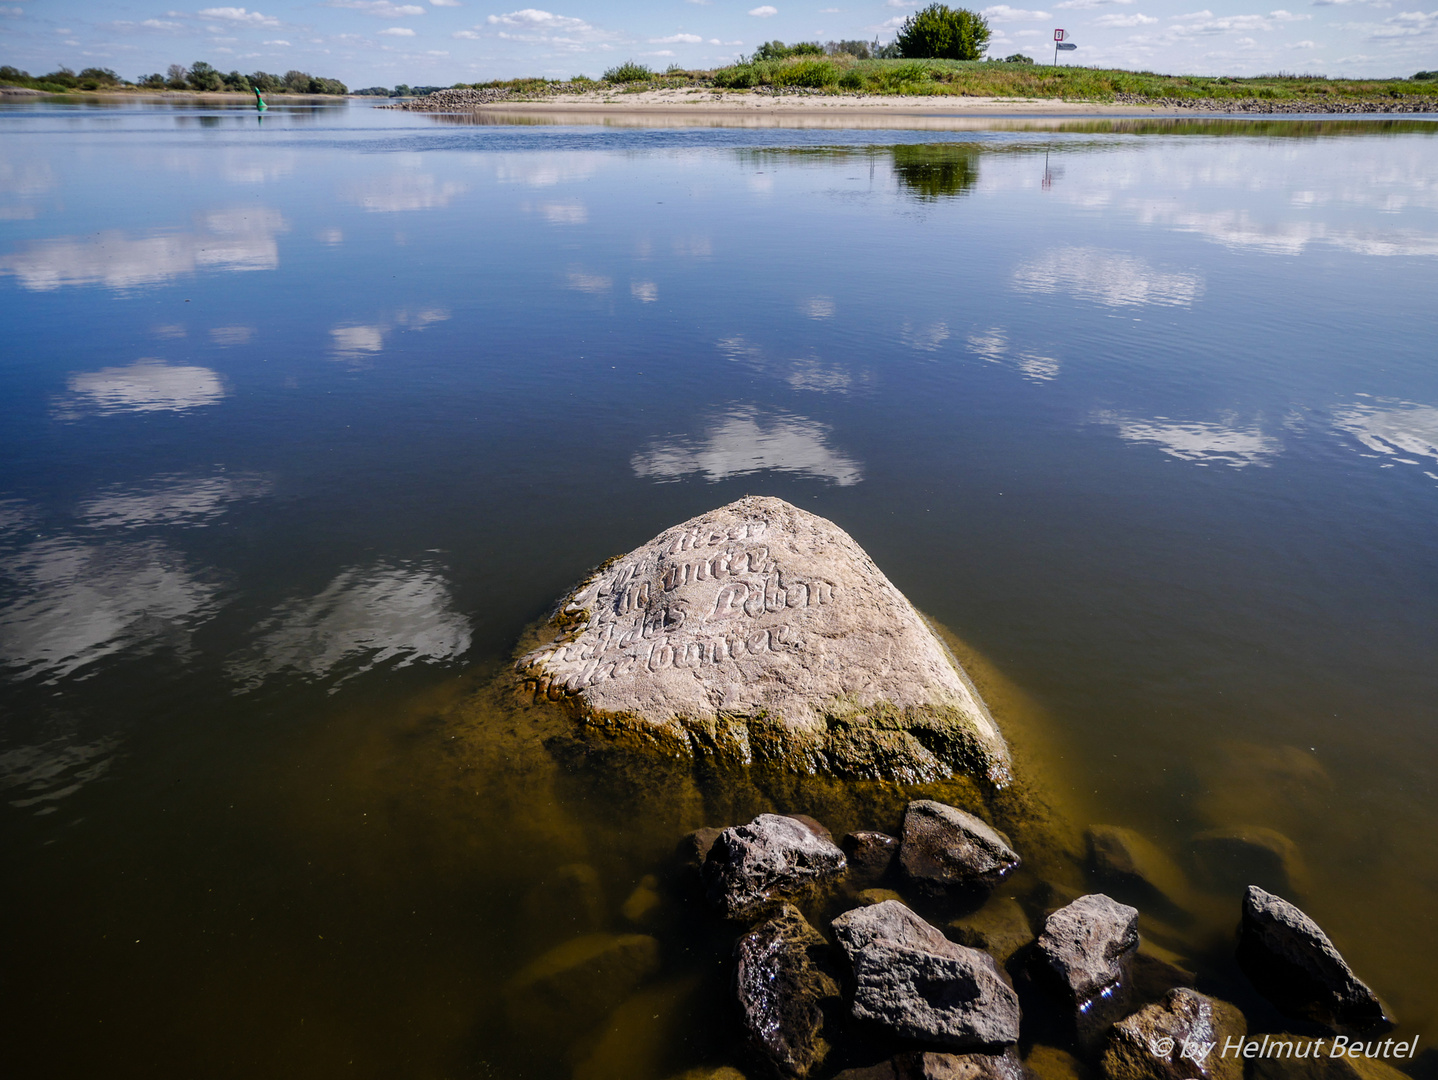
(383, 42)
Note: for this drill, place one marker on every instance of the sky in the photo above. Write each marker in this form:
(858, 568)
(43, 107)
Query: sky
(440, 42)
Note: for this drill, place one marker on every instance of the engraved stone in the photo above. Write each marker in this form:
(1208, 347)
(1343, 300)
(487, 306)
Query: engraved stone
(760, 632)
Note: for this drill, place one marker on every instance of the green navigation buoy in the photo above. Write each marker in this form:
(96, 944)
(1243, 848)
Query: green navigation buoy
(259, 101)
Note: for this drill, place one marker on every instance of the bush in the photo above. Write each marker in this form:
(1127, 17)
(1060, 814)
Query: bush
(1426, 75)
(1018, 58)
(777, 50)
(941, 32)
(907, 73)
(806, 73)
(738, 77)
(851, 80)
(859, 50)
(628, 72)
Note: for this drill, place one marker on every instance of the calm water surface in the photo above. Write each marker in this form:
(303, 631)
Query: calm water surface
(306, 420)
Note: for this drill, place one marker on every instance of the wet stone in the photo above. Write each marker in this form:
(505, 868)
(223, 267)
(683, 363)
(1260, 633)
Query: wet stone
(1292, 962)
(784, 981)
(759, 632)
(943, 849)
(1000, 928)
(871, 857)
(694, 848)
(1087, 942)
(926, 1065)
(1179, 1038)
(916, 983)
(772, 857)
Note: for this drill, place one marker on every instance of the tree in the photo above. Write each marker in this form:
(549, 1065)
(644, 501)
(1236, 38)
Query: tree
(175, 76)
(297, 82)
(942, 32)
(204, 77)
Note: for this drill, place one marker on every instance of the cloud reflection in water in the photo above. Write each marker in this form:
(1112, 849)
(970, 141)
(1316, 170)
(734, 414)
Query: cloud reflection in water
(1106, 277)
(364, 617)
(742, 442)
(1198, 441)
(147, 385)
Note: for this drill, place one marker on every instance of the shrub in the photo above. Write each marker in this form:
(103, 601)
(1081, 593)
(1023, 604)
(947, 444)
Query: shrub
(941, 32)
(738, 77)
(1018, 58)
(806, 73)
(1426, 75)
(777, 50)
(851, 80)
(859, 50)
(907, 73)
(628, 72)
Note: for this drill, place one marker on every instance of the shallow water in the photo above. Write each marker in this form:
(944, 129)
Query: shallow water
(306, 419)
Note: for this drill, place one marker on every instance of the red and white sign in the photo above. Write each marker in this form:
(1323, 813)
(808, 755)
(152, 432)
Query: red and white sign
(1058, 35)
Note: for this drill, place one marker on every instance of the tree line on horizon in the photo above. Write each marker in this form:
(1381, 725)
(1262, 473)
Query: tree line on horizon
(199, 76)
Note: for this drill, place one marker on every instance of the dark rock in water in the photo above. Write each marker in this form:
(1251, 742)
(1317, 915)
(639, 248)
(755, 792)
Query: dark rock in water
(645, 903)
(573, 985)
(1249, 784)
(1179, 1038)
(1051, 1063)
(1154, 971)
(784, 980)
(916, 983)
(813, 826)
(870, 897)
(770, 858)
(1229, 860)
(1000, 928)
(945, 849)
(694, 848)
(871, 857)
(1293, 1057)
(1086, 943)
(1291, 961)
(925, 1065)
(758, 632)
(1132, 862)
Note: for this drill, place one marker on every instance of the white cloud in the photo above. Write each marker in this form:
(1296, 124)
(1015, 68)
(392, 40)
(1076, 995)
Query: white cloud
(145, 386)
(1205, 22)
(1408, 24)
(677, 39)
(1342, 3)
(279, 42)
(565, 32)
(1085, 5)
(1105, 277)
(156, 24)
(365, 616)
(1197, 441)
(240, 15)
(446, 3)
(380, 8)
(742, 442)
(397, 31)
(1005, 13)
(1138, 18)
(466, 35)
(764, 12)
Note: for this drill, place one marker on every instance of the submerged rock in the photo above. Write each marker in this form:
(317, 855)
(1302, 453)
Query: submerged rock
(871, 857)
(761, 633)
(1293, 1057)
(574, 984)
(1179, 1038)
(1232, 859)
(1000, 928)
(942, 848)
(771, 857)
(783, 980)
(1086, 944)
(1130, 861)
(1292, 962)
(912, 980)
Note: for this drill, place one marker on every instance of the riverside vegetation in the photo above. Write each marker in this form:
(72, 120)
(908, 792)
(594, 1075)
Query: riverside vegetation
(200, 77)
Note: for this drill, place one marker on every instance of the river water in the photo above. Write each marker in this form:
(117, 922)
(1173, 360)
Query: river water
(307, 418)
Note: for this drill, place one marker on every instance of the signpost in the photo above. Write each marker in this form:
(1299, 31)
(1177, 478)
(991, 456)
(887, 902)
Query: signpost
(1060, 45)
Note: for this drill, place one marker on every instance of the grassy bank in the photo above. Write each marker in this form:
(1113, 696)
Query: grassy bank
(844, 74)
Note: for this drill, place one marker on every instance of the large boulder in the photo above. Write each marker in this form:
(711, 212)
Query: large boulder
(1086, 944)
(1135, 865)
(759, 632)
(916, 983)
(772, 857)
(1292, 962)
(1179, 1038)
(1229, 860)
(784, 980)
(944, 849)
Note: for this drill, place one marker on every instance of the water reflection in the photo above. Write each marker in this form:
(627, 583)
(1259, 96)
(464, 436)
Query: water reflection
(404, 191)
(802, 373)
(232, 240)
(1106, 277)
(350, 341)
(993, 345)
(933, 171)
(80, 602)
(1401, 431)
(148, 385)
(225, 336)
(43, 774)
(170, 500)
(1201, 442)
(365, 616)
(746, 440)
(926, 338)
